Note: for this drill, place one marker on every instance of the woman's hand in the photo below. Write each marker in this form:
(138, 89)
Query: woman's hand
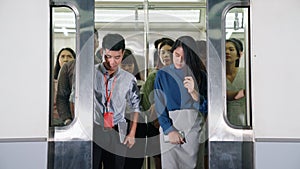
(175, 138)
(235, 95)
(189, 84)
(240, 94)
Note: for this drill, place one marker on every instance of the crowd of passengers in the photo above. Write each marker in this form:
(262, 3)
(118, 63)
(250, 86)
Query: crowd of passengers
(162, 116)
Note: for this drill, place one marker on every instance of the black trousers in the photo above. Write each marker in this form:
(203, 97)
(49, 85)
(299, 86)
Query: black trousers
(107, 149)
(135, 155)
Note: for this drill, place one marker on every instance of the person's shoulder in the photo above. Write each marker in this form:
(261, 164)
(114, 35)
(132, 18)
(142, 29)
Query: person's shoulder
(99, 68)
(152, 73)
(165, 69)
(241, 70)
(152, 70)
(125, 74)
(165, 72)
(241, 73)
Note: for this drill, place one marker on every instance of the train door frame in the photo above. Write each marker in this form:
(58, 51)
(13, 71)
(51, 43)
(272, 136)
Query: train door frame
(71, 146)
(228, 147)
(224, 141)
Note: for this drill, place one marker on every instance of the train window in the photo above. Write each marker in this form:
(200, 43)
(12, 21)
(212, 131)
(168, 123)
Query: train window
(237, 67)
(63, 51)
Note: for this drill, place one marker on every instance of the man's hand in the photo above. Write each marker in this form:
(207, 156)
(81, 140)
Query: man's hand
(129, 141)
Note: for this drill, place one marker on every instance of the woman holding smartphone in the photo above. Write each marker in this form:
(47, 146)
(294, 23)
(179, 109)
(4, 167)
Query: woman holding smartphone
(181, 103)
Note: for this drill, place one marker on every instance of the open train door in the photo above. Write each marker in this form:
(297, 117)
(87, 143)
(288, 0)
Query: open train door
(230, 139)
(70, 146)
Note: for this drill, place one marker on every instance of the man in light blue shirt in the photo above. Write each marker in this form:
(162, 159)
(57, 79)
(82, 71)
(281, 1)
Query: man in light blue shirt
(114, 89)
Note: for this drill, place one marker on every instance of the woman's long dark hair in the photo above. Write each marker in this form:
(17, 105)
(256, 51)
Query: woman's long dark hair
(57, 66)
(193, 61)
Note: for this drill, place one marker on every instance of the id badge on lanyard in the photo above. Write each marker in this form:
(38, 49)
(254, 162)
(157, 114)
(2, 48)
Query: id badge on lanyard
(108, 115)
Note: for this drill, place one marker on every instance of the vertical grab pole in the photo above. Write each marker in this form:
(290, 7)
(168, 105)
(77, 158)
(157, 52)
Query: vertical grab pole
(146, 54)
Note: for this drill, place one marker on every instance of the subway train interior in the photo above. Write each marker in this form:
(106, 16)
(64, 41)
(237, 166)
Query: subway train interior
(265, 136)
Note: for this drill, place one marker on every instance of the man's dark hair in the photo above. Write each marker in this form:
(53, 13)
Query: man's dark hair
(113, 42)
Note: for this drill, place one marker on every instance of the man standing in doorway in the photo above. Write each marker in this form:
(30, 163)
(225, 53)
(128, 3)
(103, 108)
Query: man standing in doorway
(114, 89)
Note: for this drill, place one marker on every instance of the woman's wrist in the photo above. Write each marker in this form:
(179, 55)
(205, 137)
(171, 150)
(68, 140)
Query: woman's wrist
(195, 95)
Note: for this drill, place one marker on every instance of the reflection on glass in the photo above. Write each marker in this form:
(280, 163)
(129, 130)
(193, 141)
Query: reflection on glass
(236, 78)
(63, 42)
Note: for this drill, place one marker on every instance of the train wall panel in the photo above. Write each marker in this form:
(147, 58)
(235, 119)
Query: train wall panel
(24, 69)
(25, 155)
(276, 80)
(277, 155)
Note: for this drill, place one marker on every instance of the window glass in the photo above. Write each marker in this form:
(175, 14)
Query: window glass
(63, 51)
(237, 67)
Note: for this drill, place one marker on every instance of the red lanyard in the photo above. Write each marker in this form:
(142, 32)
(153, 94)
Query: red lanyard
(108, 96)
